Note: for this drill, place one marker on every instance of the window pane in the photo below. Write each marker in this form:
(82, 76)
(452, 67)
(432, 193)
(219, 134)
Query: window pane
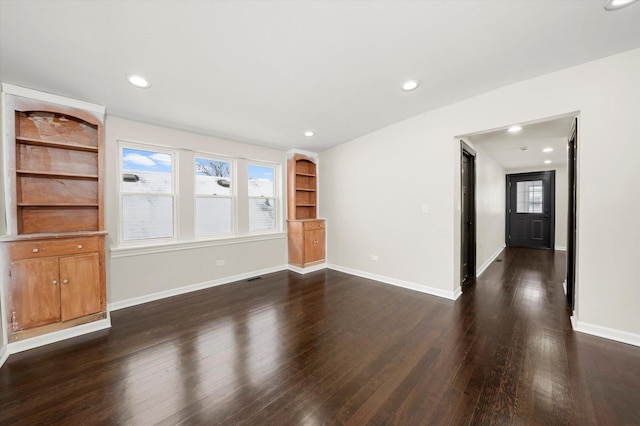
(213, 216)
(529, 197)
(262, 213)
(261, 181)
(146, 171)
(147, 216)
(213, 177)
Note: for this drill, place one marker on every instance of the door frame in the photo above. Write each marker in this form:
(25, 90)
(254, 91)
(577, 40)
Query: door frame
(466, 150)
(552, 201)
(572, 228)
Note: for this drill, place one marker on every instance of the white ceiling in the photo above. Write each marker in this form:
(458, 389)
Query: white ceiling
(266, 71)
(507, 148)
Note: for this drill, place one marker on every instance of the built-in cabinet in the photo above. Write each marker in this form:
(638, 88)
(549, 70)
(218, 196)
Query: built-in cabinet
(306, 233)
(53, 255)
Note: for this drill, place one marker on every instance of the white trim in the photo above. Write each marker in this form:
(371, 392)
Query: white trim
(560, 248)
(307, 270)
(57, 336)
(486, 264)
(574, 321)
(51, 98)
(564, 286)
(399, 283)
(4, 354)
(295, 151)
(607, 333)
(190, 288)
(117, 252)
(457, 293)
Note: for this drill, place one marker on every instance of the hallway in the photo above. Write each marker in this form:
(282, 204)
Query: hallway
(331, 348)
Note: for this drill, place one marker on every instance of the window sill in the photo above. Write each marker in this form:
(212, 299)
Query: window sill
(126, 251)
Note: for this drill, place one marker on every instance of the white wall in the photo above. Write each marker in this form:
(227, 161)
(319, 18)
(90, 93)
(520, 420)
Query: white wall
(561, 201)
(138, 273)
(3, 231)
(490, 205)
(419, 158)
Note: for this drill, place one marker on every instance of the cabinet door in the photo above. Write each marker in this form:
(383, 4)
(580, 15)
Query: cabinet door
(80, 288)
(34, 293)
(313, 245)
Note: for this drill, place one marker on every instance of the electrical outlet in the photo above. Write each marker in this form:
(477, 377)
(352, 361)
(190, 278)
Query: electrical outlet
(219, 262)
(374, 257)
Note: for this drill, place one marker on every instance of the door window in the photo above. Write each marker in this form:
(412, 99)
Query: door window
(529, 197)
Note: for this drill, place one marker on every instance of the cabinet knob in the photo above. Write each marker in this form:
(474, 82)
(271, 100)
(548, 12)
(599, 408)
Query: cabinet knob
(54, 282)
(79, 246)
(65, 281)
(35, 250)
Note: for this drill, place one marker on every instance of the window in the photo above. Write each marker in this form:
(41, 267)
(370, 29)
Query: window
(262, 199)
(529, 197)
(148, 194)
(214, 196)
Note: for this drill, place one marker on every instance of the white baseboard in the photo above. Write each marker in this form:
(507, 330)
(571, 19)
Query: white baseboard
(114, 306)
(399, 283)
(574, 321)
(486, 264)
(561, 248)
(4, 354)
(607, 333)
(57, 336)
(307, 270)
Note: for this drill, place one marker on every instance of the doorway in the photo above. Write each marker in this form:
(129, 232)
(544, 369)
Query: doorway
(530, 218)
(468, 213)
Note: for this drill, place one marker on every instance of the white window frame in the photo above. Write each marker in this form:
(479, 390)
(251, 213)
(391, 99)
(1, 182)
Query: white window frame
(233, 196)
(124, 144)
(276, 196)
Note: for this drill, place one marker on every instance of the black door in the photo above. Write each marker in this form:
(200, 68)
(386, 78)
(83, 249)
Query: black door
(468, 213)
(571, 223)
(531, 209)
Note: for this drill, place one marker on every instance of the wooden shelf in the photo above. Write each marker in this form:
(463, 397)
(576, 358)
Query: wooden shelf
(63, 145)
(54, 205)
(305, 205)
(56, 174)
(305, 174)
(306, 189)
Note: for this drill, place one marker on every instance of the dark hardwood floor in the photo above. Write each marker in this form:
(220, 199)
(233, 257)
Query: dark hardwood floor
(330, 348)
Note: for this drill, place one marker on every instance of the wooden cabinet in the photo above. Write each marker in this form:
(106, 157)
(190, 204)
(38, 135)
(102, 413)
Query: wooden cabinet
(53, 284)
(54, 251)
(306, 242)
(306, 231)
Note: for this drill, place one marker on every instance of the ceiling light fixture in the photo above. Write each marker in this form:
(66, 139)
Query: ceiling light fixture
(138, 81)
(617, 4)
(514, 129)
(549, 149)
(547, 161)
(308, 133)
(410, 85)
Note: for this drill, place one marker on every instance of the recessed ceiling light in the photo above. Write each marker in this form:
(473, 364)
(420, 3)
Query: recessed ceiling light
(514, 129)
(308, 133)
(138, 81)
(617, 4)
(549, 149)
(410, 85)
(547, 161)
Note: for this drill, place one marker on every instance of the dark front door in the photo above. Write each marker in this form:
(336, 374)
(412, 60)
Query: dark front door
(531, 209)
(468, 213)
